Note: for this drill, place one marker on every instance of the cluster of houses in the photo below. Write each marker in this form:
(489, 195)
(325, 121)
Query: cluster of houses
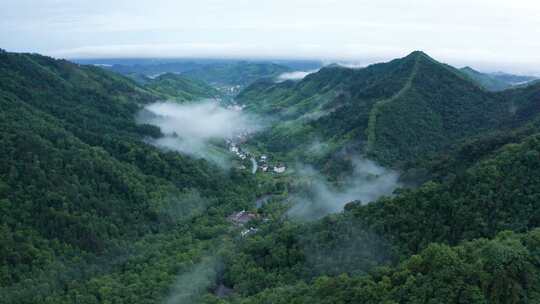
(265, 167)
(261, 163)
(240, 219)
(230, 90)
(236, 150)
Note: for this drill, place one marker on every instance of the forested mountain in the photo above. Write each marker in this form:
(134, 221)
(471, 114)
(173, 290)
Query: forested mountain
(180, 88)
(395, 112)
(84, 203)
(497, 81)
(90, 213)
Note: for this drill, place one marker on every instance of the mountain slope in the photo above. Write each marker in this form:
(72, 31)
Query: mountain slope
(237, 73)
(445, 236)
(440, 109)
(502, 270)
(394, 112)
(496, 81)
(180, 88)
(83, 198)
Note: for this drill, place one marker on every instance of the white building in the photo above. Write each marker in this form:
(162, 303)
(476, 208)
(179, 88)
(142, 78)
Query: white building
(248, 232)
(279, 169)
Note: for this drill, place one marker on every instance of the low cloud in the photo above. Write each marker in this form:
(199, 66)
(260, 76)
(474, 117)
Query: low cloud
(355, 248)
(368, 182)
(352, 65)
(196, 128)
(191, 285)
(296, 75)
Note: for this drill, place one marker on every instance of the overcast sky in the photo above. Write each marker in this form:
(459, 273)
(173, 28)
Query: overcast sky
(488, 34)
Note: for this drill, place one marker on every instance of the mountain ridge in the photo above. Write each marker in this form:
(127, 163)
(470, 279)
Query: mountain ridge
(372, 121)
(342, 106)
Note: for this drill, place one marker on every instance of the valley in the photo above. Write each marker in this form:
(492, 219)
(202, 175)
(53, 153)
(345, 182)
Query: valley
(369, 185)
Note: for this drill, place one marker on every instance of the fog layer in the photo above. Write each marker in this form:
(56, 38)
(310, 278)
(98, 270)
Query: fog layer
(368, 182)
(192, 128)
(193, 283)
(296, 75)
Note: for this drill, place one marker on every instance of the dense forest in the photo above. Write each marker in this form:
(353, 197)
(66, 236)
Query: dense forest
(85, 204)
(91, 213)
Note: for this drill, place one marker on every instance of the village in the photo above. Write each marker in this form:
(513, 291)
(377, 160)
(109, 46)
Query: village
(261, 163)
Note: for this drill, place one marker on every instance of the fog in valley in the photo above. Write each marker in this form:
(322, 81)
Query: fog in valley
(196, 128)
(194, 282)
(367, 183)
(296, 75)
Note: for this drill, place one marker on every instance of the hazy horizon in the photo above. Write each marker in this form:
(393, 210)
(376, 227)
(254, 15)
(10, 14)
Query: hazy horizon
(460, 33)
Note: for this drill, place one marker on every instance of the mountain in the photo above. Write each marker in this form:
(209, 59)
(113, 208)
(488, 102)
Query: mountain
(497, 81)
(180, 88)
(394, 112)
(85, 203)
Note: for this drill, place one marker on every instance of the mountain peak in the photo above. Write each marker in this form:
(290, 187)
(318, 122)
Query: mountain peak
(417, 53)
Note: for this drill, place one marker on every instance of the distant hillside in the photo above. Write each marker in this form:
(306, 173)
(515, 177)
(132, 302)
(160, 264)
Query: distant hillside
(180, 88)
(224, 74)
(395, 112)
(497, 81)
(237, 73)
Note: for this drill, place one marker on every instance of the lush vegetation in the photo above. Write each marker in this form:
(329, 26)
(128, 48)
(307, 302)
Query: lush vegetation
(180, 88)
(90, 213)
(454, 228)
(501, 270)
